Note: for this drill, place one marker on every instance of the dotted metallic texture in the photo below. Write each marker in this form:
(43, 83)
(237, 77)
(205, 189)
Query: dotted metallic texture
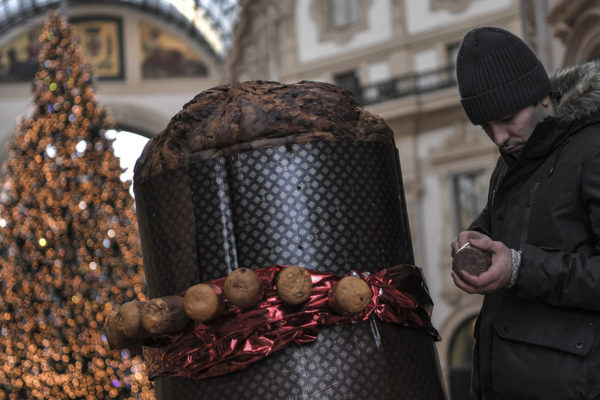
(331, 206)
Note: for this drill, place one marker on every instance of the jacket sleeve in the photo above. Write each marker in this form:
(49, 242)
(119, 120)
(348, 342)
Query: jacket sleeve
(568, 279)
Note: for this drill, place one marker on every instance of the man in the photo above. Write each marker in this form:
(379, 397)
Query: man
(538, 332)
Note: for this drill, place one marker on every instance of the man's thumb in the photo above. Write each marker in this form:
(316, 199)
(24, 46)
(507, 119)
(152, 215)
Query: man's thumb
(479, 243)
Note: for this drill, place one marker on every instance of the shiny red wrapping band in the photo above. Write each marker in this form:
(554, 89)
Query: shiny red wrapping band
(237, 338)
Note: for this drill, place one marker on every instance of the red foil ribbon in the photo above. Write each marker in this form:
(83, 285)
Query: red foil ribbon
(238, 338)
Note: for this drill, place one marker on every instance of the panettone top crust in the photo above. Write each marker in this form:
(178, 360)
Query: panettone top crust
(244, 116)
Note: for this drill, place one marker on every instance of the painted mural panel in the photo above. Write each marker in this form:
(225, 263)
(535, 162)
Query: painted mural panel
(101, 43)
(19, 57)
(100, 40)
(166, 56)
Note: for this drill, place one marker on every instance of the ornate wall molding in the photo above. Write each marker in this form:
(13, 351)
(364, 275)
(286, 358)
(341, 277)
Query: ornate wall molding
(320, 12)
(467, 141)
(454, 6)
(264, 41)
(583, 43)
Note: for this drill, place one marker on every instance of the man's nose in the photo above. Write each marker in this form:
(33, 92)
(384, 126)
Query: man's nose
(499, 134)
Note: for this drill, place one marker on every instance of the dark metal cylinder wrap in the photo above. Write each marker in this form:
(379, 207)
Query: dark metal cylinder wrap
(334, 206)
(256, 174)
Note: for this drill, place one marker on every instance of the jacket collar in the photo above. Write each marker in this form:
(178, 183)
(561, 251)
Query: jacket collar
(547, 135)
(576, 91)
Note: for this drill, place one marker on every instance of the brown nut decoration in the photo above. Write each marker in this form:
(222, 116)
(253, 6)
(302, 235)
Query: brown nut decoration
(164, 315)
(243, 288)
(351, 295)
(294, 285)
(472, 260)
(128, 320)
(201, 302)
(115, 338)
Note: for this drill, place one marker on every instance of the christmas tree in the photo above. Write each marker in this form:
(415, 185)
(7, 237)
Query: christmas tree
(69, 250)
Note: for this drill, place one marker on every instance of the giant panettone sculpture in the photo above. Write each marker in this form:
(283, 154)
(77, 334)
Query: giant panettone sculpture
(252, 178)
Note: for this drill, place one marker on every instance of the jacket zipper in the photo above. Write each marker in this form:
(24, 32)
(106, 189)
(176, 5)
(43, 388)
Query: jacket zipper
(527, 216)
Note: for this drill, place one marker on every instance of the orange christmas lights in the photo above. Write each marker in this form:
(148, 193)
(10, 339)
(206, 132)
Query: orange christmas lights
(68, 242)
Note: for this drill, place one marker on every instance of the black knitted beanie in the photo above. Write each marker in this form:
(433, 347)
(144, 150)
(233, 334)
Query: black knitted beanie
(498, 75)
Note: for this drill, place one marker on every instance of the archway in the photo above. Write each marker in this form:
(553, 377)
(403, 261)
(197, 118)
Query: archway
(127, 147)
(459, 355)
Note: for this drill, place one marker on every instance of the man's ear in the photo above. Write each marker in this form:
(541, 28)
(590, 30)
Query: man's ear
(548, 105)
(545, 102)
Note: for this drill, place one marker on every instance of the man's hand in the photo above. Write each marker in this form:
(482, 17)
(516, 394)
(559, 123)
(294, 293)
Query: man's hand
(496, 277)
(463, 238)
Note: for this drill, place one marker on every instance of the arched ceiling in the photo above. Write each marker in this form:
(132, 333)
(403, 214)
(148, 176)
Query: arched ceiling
(210, 21)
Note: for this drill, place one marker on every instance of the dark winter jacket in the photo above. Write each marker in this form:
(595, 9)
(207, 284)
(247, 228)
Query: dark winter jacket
(541, 339)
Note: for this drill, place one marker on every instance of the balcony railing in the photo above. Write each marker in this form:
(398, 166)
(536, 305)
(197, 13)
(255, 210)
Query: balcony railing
(408, 85)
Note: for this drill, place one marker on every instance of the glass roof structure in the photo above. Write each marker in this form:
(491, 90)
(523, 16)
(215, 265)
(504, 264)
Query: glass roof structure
(210, 21)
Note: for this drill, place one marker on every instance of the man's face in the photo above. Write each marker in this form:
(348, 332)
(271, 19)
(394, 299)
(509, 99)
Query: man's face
(511, 132)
